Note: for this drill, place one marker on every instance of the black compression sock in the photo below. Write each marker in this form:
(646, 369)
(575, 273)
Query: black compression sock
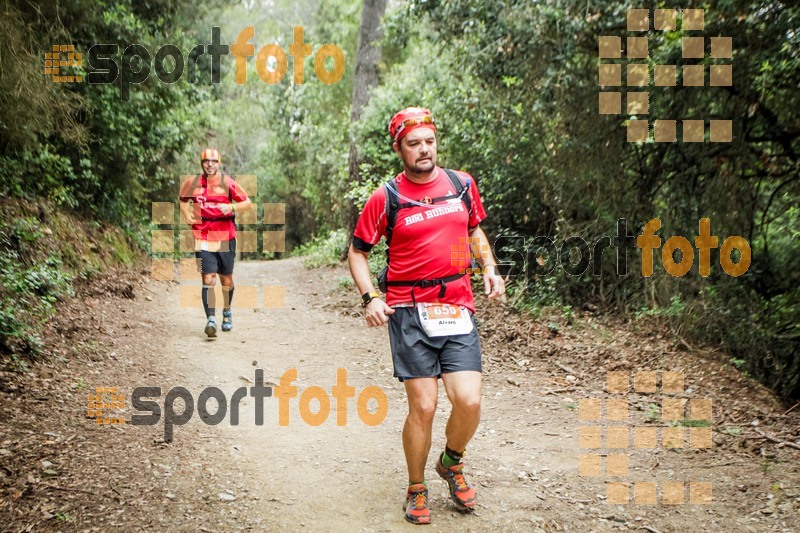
(227, 296)
(208, 300)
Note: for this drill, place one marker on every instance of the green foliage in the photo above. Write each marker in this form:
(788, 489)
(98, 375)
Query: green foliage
(695, 423)
(568, 313)
(80, 148)
(64, 517)
(760, 334)
(345, 283)
(79, 384)
(80, 145)
(513, 88)
(536, 296)
(295, 138)
(43, 173)
(377, 257)
(28, 292)
(738, 363)
(653, 412)
(121, 248)
(323, 250)
(32, 108)
(25, 230)
(674, 309)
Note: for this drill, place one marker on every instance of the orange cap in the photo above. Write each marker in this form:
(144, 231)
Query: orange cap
(210, 153)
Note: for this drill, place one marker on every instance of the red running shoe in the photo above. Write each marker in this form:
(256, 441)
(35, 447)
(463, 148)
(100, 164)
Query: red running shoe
(416, 506)
(461, 492)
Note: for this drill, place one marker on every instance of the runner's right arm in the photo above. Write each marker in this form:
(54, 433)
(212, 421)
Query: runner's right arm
(184, 196)
(187, 213)
(376, 311)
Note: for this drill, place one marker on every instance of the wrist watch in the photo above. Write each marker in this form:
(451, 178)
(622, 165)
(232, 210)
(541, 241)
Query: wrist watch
(367, 297)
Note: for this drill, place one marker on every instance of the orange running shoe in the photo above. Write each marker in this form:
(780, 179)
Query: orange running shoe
(461, 492)
(416, 506)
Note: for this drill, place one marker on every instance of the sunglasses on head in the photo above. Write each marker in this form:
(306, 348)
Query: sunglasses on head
(407, 123)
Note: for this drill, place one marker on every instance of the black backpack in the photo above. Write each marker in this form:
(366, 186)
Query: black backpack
(393, 206)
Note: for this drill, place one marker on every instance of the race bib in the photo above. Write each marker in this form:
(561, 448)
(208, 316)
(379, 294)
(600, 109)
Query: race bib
(207, 246)
(440, 320)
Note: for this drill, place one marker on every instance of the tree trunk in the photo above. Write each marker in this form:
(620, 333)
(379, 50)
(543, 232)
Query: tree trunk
(366, 77)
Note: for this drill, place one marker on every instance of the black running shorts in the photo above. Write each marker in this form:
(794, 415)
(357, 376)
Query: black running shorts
(217, 262)
(416, 355)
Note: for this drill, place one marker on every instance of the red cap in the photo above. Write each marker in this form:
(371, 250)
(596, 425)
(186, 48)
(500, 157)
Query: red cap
(210, 153)
(408, 120)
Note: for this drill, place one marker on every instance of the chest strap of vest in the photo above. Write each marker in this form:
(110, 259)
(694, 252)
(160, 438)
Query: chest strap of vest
(223, 217)
(426, 284)
(198, 180)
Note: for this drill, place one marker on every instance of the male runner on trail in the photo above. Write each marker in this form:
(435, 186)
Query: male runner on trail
(427, 214)
(214, 200)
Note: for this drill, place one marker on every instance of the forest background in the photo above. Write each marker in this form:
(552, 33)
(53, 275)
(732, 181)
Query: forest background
(514, 90)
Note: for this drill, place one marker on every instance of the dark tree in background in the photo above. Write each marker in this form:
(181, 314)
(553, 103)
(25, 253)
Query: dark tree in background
(368, 58)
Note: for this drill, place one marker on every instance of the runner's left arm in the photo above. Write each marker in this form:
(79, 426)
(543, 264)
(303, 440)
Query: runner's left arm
(493, 283)
(240, 201)
(242, 206)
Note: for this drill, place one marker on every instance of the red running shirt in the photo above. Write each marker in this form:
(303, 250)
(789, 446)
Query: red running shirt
(427, 241)
(206, 195)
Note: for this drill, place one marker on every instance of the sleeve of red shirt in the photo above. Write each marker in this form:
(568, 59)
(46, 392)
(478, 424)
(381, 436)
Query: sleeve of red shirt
(238, 194)
(478, 213)
(186, 193)
(371, 225)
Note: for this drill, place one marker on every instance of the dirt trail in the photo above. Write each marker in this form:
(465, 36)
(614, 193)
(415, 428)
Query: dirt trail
(524, 457)
(330, 477)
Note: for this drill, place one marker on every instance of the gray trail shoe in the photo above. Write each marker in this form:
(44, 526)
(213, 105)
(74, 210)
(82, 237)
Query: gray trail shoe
(227, 320)
(211, 328)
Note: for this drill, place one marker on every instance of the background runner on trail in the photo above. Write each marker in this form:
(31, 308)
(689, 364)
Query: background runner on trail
(209, 203)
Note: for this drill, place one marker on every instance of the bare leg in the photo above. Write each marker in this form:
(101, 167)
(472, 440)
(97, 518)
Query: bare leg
(422, 397)
(464, 392)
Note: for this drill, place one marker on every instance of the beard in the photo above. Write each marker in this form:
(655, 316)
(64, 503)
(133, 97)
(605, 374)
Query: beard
(421, 167)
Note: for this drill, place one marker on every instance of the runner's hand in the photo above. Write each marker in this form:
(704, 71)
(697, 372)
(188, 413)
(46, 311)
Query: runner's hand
(377, 312)
(493, 284)
(189, 216)
(225, 208)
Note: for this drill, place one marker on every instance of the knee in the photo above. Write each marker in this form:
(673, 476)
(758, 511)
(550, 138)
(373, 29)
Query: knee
(209, 279)
(423, 409)
(469, 404)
